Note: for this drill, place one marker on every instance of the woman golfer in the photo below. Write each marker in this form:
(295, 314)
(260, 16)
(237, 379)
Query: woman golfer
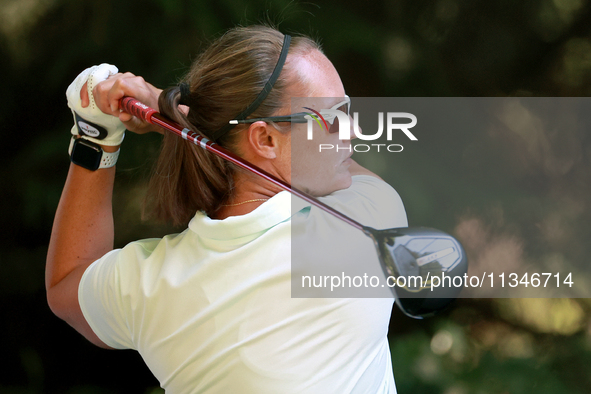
(210, 309)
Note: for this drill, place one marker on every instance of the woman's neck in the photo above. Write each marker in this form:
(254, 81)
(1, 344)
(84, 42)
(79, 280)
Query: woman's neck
(249, 193)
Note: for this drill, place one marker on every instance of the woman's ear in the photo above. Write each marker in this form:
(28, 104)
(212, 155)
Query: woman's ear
(263, 140)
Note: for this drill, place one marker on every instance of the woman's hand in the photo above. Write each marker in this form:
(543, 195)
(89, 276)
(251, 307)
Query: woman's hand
(109, 92)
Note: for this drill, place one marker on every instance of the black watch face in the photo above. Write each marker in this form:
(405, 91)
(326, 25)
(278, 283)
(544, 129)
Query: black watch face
(86, 154)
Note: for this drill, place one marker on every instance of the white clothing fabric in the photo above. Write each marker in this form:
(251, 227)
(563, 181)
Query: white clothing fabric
(210, 309)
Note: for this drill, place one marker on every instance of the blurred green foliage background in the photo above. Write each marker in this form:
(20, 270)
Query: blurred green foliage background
(519, 197)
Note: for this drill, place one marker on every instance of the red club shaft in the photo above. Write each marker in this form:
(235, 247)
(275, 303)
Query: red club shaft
(142, 111)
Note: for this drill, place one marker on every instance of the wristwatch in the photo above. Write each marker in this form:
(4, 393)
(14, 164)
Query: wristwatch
(89, 155)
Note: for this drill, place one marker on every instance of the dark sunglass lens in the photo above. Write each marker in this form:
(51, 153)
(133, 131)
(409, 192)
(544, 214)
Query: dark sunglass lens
(344, 109)
(334, 127)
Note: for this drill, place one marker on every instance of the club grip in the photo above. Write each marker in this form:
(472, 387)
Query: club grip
(137, 108)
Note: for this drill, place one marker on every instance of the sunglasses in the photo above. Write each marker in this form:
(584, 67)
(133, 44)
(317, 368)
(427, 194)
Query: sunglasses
(303, 117)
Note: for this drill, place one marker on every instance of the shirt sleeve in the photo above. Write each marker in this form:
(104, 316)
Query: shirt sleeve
(101, 301)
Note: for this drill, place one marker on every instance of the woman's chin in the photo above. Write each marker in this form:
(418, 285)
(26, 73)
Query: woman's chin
(344, 181)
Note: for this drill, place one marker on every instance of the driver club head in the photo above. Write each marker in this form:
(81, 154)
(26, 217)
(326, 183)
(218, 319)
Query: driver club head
(411, 257)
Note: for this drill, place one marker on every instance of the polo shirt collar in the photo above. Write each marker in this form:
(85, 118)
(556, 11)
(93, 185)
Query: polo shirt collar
(277, 209)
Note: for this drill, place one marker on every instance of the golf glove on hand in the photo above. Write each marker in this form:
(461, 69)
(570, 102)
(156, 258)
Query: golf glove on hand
(91, 122)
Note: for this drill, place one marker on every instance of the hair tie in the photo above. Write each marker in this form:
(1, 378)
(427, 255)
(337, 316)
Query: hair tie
(185, 94)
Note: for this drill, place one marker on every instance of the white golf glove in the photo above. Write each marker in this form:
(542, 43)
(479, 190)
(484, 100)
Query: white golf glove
(91, 122)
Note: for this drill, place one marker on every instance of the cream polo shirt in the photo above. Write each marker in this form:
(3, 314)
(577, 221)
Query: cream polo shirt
(210, 309)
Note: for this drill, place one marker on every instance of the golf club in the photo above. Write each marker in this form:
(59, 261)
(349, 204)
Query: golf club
(410, 256)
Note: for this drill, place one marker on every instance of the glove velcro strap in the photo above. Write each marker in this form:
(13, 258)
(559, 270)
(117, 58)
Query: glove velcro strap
(89, 129)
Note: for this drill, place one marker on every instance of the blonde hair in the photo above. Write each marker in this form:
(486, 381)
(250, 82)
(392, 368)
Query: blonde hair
(223, 81)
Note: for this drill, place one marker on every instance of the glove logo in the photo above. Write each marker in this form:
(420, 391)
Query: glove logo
(90, 129)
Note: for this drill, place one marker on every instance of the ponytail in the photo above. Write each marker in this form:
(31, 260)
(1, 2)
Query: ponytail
(186, 178)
